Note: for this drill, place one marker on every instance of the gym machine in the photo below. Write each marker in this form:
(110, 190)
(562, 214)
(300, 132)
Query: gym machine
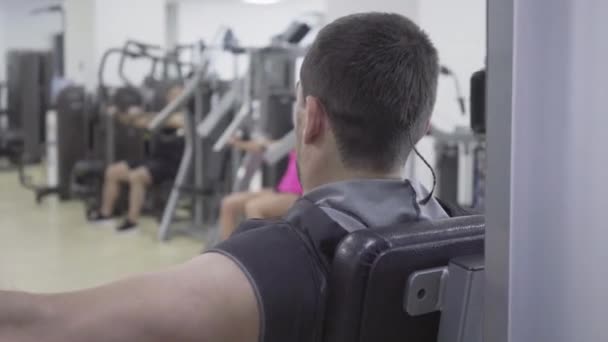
(268, 87)
(202, 174)
(80, 129)
(461, 156)
(34, 92)
(29, 75)
(426, 283)
(11, 143)
(166, 70)
(459, 163)
(151, 95)
(478, 125)
(268, 98)
(110, 141)
(29, 90)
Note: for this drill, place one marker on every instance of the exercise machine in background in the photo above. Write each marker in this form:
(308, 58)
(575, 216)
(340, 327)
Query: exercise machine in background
(11, 142)
(108, 140)
(257, 105)
(268, 98)
(29, 77)
(461, 153)
(201, 177)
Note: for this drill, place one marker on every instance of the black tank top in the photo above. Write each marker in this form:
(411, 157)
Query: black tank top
(168, 146)
(288, 263)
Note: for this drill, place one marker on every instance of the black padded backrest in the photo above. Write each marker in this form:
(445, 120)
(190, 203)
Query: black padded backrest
(370, 271)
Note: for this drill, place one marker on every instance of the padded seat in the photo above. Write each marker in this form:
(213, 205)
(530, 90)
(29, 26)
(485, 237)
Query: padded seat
(370, 274)
(89, 168)
(86, 178)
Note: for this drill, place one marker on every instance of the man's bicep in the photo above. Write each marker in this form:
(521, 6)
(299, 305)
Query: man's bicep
(227, 300)
(206, 299)
(285, 276)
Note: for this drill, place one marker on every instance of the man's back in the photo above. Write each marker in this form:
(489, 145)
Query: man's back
(288, 261)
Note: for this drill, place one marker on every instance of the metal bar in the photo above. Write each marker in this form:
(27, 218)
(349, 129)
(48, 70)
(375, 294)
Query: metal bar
(459, 135)
(498, 209)
(247, 109)
(250, 165)
(110, 135)
(227, 102)
(281, 148)
(235, 125)
(180, 180)
(199, 177)
(462, 311)
(189, 91)
(557, 234)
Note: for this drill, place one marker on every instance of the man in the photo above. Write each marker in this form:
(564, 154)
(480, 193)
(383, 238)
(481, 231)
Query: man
(161, 166)
(367, 90)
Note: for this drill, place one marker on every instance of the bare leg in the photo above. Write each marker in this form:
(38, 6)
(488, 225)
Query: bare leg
(272, 205)
(139, 180)
(115, 174)
(233, 207)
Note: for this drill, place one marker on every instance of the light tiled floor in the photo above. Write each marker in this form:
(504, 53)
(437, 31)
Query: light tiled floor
(50, 247)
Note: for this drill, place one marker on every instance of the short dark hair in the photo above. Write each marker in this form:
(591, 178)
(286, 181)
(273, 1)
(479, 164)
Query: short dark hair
(376, 75)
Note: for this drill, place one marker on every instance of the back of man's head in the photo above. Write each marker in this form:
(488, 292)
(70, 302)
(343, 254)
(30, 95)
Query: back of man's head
(376, 76)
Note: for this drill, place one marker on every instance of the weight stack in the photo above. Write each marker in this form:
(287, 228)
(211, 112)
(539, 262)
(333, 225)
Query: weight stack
(71, 140)
(278, 123)
(447, 172)
(28, 80)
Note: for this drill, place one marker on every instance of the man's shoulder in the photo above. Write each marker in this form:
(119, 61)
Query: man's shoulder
(285, 263)
(284, 274)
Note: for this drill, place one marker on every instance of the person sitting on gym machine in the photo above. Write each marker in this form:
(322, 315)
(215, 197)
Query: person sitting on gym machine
(161, 166)
(264, 204)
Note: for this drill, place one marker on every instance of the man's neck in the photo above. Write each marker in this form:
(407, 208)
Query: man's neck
(350, 175)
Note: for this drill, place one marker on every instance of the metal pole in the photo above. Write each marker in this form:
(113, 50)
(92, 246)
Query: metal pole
(498, 210)
(180, 180)
(199, 177)
(558, 230)
(110, 136)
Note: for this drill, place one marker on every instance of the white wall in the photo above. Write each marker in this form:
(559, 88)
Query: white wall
(254, 25)
(21, 30)
(119, 20)
(339, 8)
(26, 31)
(2, 44)
(458, 29)
(93, 26)
(80, 65)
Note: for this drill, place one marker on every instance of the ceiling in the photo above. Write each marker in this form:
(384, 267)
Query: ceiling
(230, 1)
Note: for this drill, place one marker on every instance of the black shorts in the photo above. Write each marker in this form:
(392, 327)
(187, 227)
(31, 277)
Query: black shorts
(160, 170)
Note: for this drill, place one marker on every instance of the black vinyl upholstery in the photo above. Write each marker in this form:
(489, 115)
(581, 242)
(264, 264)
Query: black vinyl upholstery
(370, 271)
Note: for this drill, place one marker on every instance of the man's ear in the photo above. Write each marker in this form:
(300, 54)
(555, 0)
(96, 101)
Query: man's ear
(428, 126)
(315, 121)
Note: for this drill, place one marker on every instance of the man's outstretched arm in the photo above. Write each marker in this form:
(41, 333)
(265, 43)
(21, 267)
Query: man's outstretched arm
(206, 299)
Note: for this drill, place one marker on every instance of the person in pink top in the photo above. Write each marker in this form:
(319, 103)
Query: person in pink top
(264, 204)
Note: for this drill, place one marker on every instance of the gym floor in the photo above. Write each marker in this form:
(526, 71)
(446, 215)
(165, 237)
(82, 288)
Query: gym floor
(51, 248)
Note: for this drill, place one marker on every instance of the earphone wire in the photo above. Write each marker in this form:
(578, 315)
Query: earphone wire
(428, 198)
